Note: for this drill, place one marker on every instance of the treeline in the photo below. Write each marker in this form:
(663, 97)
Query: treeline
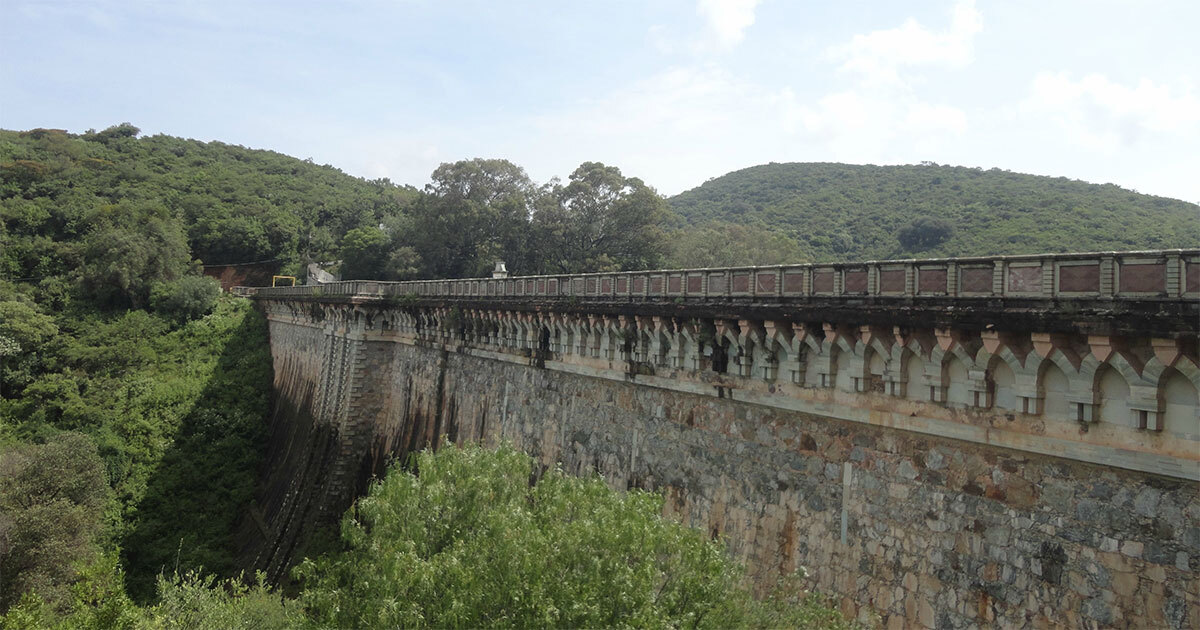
(64, 197)
(851, 212)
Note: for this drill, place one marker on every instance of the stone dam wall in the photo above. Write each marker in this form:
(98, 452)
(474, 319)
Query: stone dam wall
(906, 495)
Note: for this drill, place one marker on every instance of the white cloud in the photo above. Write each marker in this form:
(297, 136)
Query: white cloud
(1104, 115)
(878, 56)
(728, 19)
(704, 119)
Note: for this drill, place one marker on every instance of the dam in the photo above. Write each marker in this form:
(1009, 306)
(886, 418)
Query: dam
(1008, 441)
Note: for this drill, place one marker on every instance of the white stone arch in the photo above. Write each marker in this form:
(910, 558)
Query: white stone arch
(877, 360)
(1178, 387)
(1113, 393)
(1054, 377)
(842, 362)
(950, 368)
(912, 368)
(1002, 368)
(1091, 368)
(726, 341)
(1153, 370)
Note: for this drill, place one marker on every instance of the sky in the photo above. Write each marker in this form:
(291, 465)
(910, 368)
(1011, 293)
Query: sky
(672, 91)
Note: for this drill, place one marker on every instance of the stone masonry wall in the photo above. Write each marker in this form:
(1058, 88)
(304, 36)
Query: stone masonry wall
(917, 530)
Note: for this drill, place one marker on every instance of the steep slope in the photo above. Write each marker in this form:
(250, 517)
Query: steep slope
(843, 211)
(236, 204)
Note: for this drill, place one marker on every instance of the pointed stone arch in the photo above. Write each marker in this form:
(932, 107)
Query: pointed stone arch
(1179, 399)
(1113, 390)
(1054, 386)
(912, 369)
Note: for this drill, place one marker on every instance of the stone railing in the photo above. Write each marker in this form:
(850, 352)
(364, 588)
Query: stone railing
(1141, 275)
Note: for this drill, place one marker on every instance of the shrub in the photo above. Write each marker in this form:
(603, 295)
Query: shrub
(469, 542)
(187, 298)
(52, 498)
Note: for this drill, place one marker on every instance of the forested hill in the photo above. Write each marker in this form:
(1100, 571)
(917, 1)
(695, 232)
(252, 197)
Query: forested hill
(851, 212)
(235, 204)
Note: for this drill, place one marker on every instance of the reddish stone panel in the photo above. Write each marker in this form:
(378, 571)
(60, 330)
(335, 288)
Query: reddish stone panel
(520, 288)
(577, 287)
(976, 279)
(823, 281)
(1192, 284)
(1079, 278)
(553, 286)
(694, 284)
(622, 284)
(856, 281)
(766, 282)
(656, 284)
(741, 283)
(931, 280)
(529, 285)
(891, 281)
(674, 284)
(1025, 279)
(252, 275)
(541, 286)
(639, 285)
(510, 287)
(793, 282)
(606, 286)
(1150, 278)
(716, 284)
(591, 285)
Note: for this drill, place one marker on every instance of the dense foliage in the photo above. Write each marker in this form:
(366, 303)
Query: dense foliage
(172, 412)
(844, 212)
(465, 540)
(121, 213)
(723, 244)
(468, 542)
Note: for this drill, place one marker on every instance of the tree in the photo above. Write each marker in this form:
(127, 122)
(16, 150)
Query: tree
(601, 221)
(720, 244)
(23, 331)
(467, 541)
(186, 298)
(924, 233)
(52, 498)
(129, 250)
(473, 213)
(370, 253)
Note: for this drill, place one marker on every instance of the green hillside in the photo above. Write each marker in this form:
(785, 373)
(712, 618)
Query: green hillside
(234, 204)
(845, 212)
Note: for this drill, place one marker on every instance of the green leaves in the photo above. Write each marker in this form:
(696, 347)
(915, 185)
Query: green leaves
(52, 497)
(467, 541)
(859, 212)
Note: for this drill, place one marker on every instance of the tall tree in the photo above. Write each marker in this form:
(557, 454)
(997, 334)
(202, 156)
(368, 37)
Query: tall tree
(473, 213)
(130, 249)
(601, 221)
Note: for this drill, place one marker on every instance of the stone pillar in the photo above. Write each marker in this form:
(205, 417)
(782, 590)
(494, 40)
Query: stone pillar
(981, 390)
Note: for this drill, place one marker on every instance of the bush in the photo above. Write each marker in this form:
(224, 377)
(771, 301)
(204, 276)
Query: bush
(195, 601)
(187, 298)
(52, 499)
(469, 542)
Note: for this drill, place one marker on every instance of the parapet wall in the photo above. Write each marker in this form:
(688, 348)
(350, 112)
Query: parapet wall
(937, 471)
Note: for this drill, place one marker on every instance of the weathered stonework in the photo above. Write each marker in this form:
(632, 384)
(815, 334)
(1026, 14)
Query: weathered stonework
(935, 477)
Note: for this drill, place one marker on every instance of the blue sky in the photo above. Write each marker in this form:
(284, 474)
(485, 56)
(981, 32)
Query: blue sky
(674, 92)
